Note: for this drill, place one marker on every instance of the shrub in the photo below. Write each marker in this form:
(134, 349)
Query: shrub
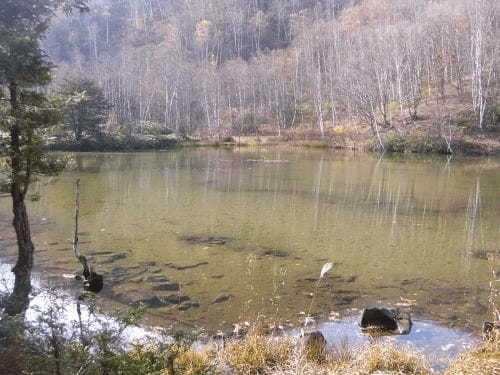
(396, 144)
(109, 143)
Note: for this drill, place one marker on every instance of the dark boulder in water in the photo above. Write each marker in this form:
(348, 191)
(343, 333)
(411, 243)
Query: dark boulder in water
(386, 321)
(94, 283)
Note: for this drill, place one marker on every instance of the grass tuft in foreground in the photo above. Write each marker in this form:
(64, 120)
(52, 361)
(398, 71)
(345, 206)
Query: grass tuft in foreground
(256, 354)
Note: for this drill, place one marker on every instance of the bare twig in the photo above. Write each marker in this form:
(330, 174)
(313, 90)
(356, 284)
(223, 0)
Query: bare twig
(77, 215)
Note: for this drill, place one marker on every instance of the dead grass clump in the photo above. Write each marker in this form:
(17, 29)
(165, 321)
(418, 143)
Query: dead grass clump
(192, 362)
(256, 353)
(314, 352)
(340, 357)
(385, 357)
(483, 361)
(314, 348)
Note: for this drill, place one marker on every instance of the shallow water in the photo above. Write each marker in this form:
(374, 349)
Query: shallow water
(402, 231)
(437, 343)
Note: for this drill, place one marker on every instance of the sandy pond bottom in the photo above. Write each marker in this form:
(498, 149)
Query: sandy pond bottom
(438, 343)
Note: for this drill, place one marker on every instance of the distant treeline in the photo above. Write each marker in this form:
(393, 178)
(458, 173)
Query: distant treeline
(235, 67)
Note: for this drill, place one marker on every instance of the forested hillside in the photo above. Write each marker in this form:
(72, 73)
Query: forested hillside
(246, 67)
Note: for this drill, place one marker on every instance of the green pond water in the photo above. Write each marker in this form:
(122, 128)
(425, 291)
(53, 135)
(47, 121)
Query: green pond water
(402, 231)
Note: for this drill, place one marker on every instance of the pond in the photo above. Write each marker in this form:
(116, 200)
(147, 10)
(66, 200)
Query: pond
(209, 237)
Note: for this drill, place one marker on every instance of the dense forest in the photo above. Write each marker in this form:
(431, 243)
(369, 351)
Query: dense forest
(246, 67)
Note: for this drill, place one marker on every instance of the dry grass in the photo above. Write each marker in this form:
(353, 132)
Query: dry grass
(193, 362)
(256, 354)
(384, 357)
(259, 354)
(340, 357)
(314, 352)
(483, 361)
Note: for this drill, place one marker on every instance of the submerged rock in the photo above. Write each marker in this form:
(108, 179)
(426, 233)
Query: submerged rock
(136, 280)
(208, 240)
(118, 271)
(150, 263)
(113, 258)
(173, 287)
(275, 253)
(222, 298)
(410, 281)
(388, 321)
(176, 299)
(157, 279)
(156, 302)
(100, 253)
(182, 268)
(344, 300)
(187, 305)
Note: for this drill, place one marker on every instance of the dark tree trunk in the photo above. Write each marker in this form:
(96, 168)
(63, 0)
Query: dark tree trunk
(18, 301)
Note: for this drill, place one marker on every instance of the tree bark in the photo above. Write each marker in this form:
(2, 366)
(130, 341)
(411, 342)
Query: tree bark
(18, 301)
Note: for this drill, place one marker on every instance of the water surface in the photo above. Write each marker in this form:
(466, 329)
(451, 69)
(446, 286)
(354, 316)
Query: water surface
(402, 231)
